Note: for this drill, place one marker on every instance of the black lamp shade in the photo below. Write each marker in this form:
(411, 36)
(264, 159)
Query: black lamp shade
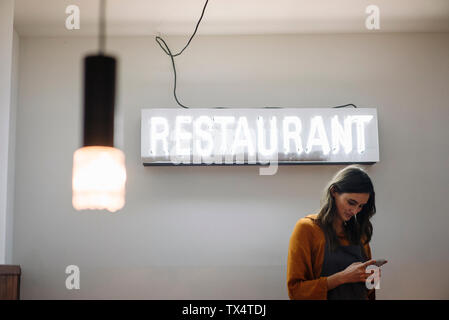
(99, 100)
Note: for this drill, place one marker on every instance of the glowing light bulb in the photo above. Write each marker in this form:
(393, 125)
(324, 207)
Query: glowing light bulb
(99, 177)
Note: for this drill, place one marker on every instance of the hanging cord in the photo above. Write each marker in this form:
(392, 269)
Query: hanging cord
(102, 28)
(167, 50)
(346, 105)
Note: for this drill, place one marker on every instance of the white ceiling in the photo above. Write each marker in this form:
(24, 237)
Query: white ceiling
(149, 17)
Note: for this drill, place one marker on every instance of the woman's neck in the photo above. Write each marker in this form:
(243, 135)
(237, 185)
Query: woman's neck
(338, 225)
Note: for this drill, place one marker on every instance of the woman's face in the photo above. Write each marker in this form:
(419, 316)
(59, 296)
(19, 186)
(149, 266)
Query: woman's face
(349, 204)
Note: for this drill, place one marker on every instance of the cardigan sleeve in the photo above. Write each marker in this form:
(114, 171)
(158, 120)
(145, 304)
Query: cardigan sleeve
(301, 282)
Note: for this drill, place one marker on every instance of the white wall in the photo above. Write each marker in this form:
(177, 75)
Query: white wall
(223, 232)
(6, 124)
(12, 147)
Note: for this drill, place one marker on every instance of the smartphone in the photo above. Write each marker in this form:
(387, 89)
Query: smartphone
(380, 262)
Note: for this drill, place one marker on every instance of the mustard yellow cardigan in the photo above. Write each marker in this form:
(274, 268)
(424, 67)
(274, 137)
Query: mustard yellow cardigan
(305, 261)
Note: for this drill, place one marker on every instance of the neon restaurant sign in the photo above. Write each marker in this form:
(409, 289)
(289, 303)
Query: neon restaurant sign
(259, 136)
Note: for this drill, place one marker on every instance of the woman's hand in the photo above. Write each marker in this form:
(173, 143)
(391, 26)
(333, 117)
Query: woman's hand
(356, 272)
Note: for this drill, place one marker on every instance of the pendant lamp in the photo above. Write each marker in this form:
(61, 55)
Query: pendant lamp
(99, 173)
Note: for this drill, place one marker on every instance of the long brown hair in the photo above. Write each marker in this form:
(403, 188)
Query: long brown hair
(351, 179)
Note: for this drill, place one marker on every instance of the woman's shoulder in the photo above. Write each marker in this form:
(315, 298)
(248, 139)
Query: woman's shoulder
(308, 224)
(307, 233)
(309, 220)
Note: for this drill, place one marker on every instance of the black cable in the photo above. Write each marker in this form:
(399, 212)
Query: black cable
(346, 105)
(196, 28)
(102, 27)
(167, 50)
(174, 69)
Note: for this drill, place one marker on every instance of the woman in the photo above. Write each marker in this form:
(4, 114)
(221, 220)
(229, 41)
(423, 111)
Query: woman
(329, 251)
